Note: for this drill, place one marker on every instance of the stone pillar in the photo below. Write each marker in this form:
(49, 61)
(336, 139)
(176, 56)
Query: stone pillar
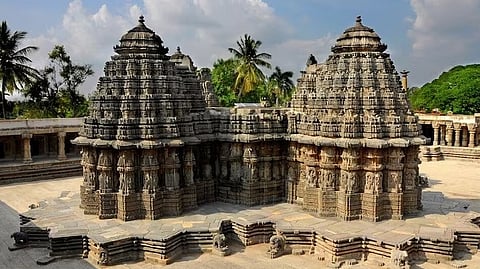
(45, 145)
(458, 128)
(27, 154)
(442, 135)
(61, 146)
(450, 135)
(465, 138)
(436, 138)
(471, 130)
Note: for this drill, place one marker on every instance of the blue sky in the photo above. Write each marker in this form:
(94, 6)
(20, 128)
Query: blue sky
(426, 37)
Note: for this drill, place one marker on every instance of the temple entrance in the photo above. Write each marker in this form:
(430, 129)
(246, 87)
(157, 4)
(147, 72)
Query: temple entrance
(427, 131)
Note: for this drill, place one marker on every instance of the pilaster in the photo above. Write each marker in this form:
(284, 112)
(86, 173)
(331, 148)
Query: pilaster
(458, 129)
(27, 154)
(450, 135)
(465, 137)
(471, 131)
(436, 137)
(61, 146)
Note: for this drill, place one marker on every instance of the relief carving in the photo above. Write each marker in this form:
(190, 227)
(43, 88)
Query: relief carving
(105, 171)
(126, 170)
(312, 177)
(150, 172)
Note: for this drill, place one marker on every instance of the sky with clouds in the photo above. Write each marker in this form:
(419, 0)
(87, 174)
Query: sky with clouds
(426, 37)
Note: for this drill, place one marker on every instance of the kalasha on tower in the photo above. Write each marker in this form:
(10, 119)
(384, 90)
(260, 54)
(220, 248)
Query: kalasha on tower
(347, 147)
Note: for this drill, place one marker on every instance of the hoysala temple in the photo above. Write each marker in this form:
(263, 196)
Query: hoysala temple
(155, 144)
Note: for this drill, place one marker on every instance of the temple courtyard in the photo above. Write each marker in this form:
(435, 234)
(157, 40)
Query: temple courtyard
(451, 200)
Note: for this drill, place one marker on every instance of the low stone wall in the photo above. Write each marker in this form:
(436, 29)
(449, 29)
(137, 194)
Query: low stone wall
(42, 170)
(165, 248)
(438, 153)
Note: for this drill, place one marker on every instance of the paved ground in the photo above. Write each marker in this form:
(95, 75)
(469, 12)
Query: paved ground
(453, 186)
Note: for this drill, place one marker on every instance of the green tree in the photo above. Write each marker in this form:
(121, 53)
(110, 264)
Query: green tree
(65, 78)
(14, 71)
(223, 81)
(282, 84)
(248, 72)
(457, 90)
(55, 93)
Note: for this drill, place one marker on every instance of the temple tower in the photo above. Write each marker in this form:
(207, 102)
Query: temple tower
(355, 134)
(154, 145)
(138, 143)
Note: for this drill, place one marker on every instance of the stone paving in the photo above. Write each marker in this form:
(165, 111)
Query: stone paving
(451, 201)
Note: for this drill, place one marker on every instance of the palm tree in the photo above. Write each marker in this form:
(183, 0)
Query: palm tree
(14, 72)
(283, 83)
(248, 71)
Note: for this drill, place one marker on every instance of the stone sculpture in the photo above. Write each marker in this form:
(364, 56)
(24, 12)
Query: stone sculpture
(154, 145)
(104, 259)
(20, 238)
(398, 259)
(277, 245)
(219, 246)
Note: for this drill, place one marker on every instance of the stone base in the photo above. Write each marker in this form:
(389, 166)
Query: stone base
(166, 239)
(129, 207)
(89, 201)
(251, 193)
(221, 252)
(107, 205)
(46, 260)
(189, 198)
(205, 191)
(17, 247)
(151, 205)
(172, 203)
(349, 206)
(273, 255)
(327, 203)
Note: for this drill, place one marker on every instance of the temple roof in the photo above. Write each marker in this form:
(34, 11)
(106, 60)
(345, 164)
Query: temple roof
(356, 93)
(141, 39)
(359, 38)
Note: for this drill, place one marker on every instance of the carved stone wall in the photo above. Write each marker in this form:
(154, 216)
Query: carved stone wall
(251, 173)
(152, 147)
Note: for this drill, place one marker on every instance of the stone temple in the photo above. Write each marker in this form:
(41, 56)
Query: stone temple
(154, 145)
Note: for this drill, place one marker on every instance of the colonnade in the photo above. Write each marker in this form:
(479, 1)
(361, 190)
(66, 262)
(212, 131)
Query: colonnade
(20, 147)
(455, 134)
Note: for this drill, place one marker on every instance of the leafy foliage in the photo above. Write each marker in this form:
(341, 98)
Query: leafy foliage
(14, 71)
(55, 93)
(248, 73)
(223, 81)
(281, 85)
(270, 90)
(240, 79)
(457, 90)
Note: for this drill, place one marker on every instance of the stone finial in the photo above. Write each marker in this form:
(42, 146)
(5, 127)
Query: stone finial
(404, 79)
(359, 20)
(141, 19)
(178, 50)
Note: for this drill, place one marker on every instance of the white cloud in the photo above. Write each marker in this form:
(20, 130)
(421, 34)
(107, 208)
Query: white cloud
(444, 33)
(204, 29)
(292, 54)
